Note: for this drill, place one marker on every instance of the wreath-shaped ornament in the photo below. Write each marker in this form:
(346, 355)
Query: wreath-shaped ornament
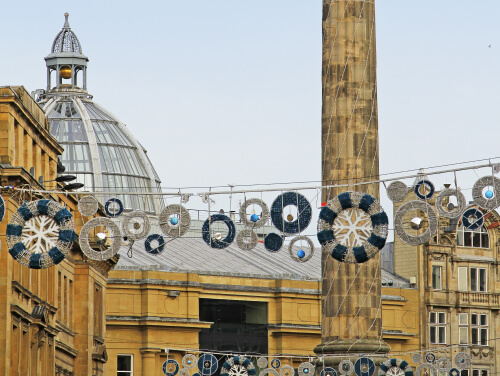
(287, 371)
(215, 241)
(364, 366)
(433, 369)
(238, 366)
(207, 364)
(40, 234)
(443, 365)
(170, 367)
(353, 227)
(491, 198)
(113, 207)
(175, 220)
(430, 357)
(189, 361)
(262, 362)
(462, 360)
(88, 206)
(292, 226)
(431, 216)
(346, 367)
(305, 369)
(397, 191)
(269, 371)
(258, 221)
(328, 371)
(395, 367)
(456, 212)
(107, 247)
(136, 225)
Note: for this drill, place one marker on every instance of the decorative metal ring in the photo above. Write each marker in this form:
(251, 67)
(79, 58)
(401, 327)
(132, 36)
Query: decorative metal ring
(328, 371)
(111, 250)
(454, 372)
(273, 242)
(268, 371)
(264, 217)
(397, 191)
(167, 365)
(430, 357)
(472, 219)
(426, 365)
(287, 371)
(398, 363)
(183, 218)
(416, 239)
(88, 206)
(184, 372)
(443, 365)
(45, 251)
(306, 369)
(207, 364)
(346, 367)
(425, 196)
(216, 243)
(303, 208)
(155, 250)
(364, 367)
(462, 360)
(417, 358)
(480, 199)
(2, 208)
(111, 201)
(247, 239)
(142, 231)
(262, 362)
(189, 361)
(455, 213)
(238, 365)
(276, 363)
(379, 221)
(295, 255)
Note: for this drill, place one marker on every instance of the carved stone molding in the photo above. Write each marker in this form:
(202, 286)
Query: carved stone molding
(437, 256)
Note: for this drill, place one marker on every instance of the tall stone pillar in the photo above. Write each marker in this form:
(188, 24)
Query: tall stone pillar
(351, 305)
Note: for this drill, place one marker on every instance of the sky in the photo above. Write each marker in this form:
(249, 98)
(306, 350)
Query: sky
(229, 91)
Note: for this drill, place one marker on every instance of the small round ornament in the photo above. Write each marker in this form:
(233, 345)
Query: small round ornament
(255, 221)
(432, 222)
(170, 367)
(262, 362)
(430, 357)
(273, 242)
(189, 361)
(364, 367)
(328, 371)
(276, 363)
(247, 239)
(294, 254)
(174, 221)
(106, 251)
(454, 372)
(443, 365)
(472, 219)
(254, 218)
(484, 185)
(207, 364)
(88, 206)
(303, 208)
(424, 189)
(306, 369)
(136, 225)
(417, 358)
(397, 191)
(154, 244)
(216, 241)
(346, 367)
(113, 207)
(462, 360)
(184, 372)
(181, 226)
(455, 213)
(287, 371)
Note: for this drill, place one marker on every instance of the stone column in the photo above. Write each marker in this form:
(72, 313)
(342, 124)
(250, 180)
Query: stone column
(351, 306)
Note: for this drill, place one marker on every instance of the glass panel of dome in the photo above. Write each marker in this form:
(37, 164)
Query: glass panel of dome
(87, 179)
(133, 161)
(108, 133)
(95, 113)
(157, 178)
(64, 110)
(76, 158)
(68, 131)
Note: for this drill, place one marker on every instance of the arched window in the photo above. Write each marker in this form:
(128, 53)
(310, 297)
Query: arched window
(478, 238)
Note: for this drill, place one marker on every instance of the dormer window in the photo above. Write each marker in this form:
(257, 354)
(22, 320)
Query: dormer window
(477, 238)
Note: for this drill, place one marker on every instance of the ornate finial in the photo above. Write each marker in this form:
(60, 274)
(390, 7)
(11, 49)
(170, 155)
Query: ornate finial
(66, 23)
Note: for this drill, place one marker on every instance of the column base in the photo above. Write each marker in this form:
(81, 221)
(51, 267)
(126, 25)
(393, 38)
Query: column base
(334, 353)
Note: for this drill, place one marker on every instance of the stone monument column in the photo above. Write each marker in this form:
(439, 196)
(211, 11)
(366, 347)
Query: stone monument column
(351, 306)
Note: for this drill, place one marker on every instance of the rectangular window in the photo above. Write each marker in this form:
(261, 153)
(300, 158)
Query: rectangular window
(436, 277)
(464, 372)
(463, 328)
(463, 284)
(478, 279)
(124, 365)
(479, 372)
(479, 329)
(437, 327)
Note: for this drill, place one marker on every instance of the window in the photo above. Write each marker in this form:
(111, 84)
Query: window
(437, 327)
(464, 372)
(124, 365)
(479, 372)
(479, 329)
(436, 277)
(473, 238)
(478, 279)
(463, 280)
(463, 328)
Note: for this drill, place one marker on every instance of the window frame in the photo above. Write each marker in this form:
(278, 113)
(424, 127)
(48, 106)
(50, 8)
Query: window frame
(477, 279)
(440, 268)
(480, 328)
(480, 232)
(131, 372)
(463, 326)
(436, 327)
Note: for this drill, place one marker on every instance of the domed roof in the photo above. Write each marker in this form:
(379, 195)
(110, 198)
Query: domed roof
(103, 153)
(66, 40)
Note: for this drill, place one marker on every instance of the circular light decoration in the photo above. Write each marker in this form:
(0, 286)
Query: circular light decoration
(353, 227)
(430, 357)
(454, 372)
(2, 208)
(276, 363)
(247, 239)
(88, 206)
(328, 371)
(482, 199)
(443, 365)
(296, 254)
(395, 367)
(262, 362)
(40, 234)
(136, 225)
(170, 367)
(462, 360)
(107, 249)
(255, 221)
(455, 213)
(178, 228)
(217, 241)
(429, 366)
(424, 185)
(472, 219)
(189, 361)
(346, 367)
(303, 208)
(268, 371)
(287, 371)
(306, 369)
(207, 364)
(273, 242)
(238, 366)
(417, 358)
(364, 367)
(151, 247)
(397, 191)
(184, 372)
(113, 202)
(416, 239)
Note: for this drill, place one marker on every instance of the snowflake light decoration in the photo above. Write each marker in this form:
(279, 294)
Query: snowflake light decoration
(238, 366)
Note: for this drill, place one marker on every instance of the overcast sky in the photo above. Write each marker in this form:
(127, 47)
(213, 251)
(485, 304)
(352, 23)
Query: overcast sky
(229, 91)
